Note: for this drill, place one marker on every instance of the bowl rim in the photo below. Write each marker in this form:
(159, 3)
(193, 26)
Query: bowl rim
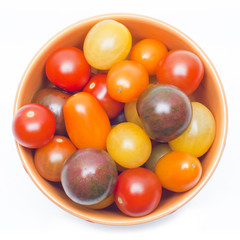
(168, 27)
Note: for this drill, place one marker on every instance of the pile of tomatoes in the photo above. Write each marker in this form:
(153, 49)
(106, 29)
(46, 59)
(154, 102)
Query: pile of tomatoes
(117, 124)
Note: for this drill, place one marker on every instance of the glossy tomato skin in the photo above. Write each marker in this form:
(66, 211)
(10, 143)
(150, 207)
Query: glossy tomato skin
(89, 176)
(98, 88)
(129, 145)
(86, 121)
(54, 99)
(178, 171)
(149, 53)
(107, 43)
(68, 69)
(34, 125)
(131, 114)
(182, 69)
(138, 192)
(49, 159)
(199, 135)
(158, 151)
(165, 112)
(126, 80)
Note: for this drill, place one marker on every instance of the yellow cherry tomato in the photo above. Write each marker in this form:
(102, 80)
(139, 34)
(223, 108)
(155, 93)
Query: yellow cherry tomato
(103, 204)
(106, 44)
(199, 135)
(158, 151)
(129, 145)
(130, 111)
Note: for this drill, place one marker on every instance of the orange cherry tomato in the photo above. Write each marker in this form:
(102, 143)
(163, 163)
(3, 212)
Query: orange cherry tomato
(149, 53)
(127, 80)
(178, 171)
(86, 121)
(50, 158)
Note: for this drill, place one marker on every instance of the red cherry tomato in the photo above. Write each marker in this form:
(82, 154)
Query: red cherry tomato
(137, 192)
(68, 69)
(98, 88)
(34, 125)
(49, 159)
(182, 69)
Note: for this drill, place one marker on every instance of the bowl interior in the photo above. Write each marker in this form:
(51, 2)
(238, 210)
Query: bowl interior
(210, 93)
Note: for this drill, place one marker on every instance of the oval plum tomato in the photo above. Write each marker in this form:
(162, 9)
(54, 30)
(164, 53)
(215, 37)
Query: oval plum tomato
(129, 145)
(54, 99)
(127, 80)
(98, 88)
(68, 69)
(106, 44)
(137, 192)
(199, 135)
(149, 53)
(86, 121)
(182, 69)
(178, 171)
(34, 125)
(49, 159)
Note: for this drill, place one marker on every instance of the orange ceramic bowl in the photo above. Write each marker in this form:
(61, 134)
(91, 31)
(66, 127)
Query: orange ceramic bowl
(210, 93)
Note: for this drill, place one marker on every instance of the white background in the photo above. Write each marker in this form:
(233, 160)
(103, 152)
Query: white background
(25, 212)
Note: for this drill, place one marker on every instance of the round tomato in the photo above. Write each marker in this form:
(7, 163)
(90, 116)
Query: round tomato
(68, 69)
(127, 80)
(149, 53)
(182, 69)
(54, 99)
(158, 151)
(106, 44)
(199, 135)
(34, 125)
(49, 159)
(129, 145)
(86, 121)
(178, 171)
(131, 114)
(137, 192)
(98, 88)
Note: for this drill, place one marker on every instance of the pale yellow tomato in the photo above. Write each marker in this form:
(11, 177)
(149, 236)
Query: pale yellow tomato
(130, 111)
(199, 135)
(107, 43)
(158, 151)
(129, 145)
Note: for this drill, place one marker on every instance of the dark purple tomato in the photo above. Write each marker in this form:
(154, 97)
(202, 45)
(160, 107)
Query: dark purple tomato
(54, 99)
(89, 176)
(165, 112)
(118, 119)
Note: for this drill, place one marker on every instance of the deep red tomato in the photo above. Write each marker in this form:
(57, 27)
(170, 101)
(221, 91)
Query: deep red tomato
(49, 159)
(98, 88)
(34, 125)
(137, 192)
(182, 69)
(68, 69)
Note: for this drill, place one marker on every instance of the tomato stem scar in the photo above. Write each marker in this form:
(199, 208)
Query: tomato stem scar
(120, 200)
